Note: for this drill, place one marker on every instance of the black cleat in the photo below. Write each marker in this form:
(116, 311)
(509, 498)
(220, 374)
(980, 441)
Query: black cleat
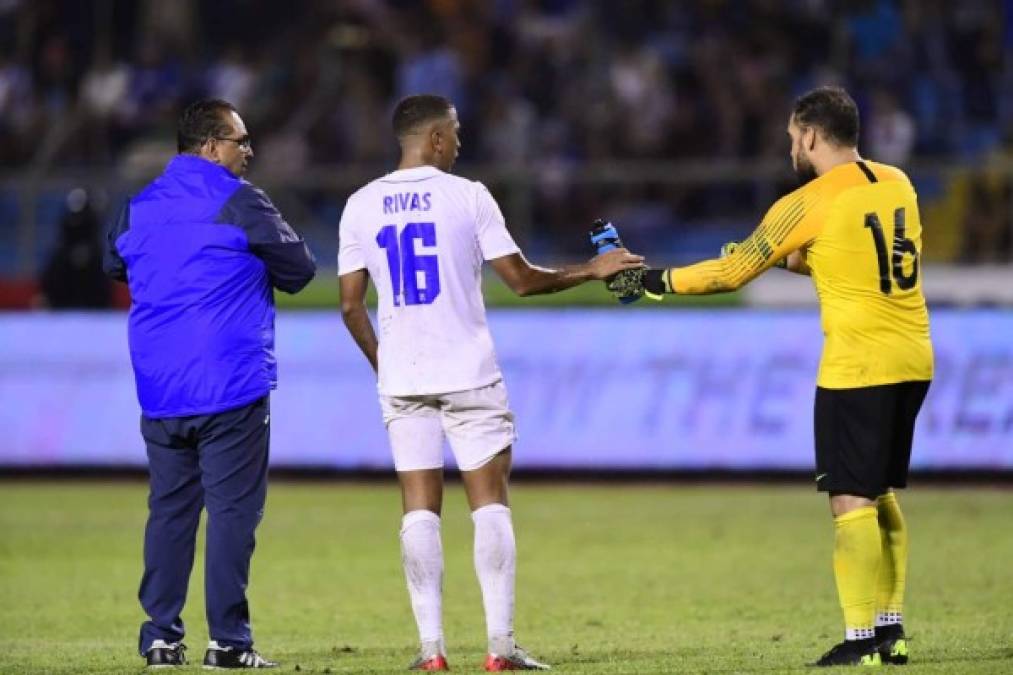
(230, 657)
(891, 643)
(852, 653)
(162, 654)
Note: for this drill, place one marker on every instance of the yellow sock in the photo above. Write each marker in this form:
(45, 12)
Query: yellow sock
(893, 569)
(857, 556)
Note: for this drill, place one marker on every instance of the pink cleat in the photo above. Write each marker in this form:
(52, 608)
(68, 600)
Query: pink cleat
(430, 663)
(518, 659)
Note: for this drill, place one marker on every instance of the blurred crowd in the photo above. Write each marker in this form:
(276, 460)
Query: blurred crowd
(537, 83)
(533, 80)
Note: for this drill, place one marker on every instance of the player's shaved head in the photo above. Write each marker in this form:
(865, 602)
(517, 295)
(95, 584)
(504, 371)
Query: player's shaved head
(832, 111)
(412, 113)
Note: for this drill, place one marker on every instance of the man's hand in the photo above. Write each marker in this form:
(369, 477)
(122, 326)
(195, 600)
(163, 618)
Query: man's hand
(611, 263)
(622, 271)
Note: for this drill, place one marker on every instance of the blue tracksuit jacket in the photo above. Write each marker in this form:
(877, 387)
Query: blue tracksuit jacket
(201, 251)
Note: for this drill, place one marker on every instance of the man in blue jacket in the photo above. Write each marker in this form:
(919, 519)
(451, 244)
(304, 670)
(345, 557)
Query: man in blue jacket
(201, 250)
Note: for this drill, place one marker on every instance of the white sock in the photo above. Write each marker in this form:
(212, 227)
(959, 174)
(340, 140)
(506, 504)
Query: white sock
(422, 558)
(859, 633)
(889, 618)
(496, 567)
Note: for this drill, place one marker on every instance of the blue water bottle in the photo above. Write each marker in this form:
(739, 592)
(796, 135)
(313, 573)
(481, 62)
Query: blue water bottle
(604, 237)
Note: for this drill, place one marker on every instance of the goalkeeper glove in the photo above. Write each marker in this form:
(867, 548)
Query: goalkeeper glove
(627, 286)
(656, 283)
(649, 283)
(729, 249)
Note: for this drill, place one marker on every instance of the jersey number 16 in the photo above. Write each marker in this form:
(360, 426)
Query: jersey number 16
(406, 266)
(901, 246)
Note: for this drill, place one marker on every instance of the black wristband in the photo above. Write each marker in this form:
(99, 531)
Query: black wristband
(654, 281)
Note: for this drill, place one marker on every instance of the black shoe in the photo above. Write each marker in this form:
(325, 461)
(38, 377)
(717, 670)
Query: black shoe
(892, 644)
(852, 653)
(162, 654)
(230, 657)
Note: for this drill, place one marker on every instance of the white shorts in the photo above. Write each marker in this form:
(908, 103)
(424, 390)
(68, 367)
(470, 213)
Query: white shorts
(477, 422)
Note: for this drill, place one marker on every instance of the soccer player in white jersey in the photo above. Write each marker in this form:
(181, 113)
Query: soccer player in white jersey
(422, 234)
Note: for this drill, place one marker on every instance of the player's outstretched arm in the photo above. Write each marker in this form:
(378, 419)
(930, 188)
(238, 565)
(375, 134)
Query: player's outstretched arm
(352, 291)
(525, 279)
(717, 275)
(789, 225)
(793, 262)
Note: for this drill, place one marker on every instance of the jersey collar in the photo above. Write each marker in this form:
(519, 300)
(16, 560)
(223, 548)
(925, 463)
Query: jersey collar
(414, 173)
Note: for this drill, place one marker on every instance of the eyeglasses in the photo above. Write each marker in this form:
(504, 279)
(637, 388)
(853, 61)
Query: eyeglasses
(243, 143)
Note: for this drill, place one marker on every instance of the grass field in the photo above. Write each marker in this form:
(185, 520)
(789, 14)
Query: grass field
(322, 293)
(623, 579)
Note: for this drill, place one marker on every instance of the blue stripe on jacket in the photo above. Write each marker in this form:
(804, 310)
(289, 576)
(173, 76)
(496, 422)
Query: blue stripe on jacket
(201, 251)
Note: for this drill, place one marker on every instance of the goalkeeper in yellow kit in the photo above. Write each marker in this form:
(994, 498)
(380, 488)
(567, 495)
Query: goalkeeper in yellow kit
(854, 227)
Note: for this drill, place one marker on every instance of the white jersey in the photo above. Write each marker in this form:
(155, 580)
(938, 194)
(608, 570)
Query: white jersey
(423, 234)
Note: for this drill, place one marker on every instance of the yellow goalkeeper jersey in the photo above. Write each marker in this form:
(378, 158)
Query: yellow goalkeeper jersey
(858, 228)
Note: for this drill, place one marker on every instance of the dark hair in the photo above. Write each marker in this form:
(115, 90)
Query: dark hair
(832, 111)
(412, 111)
(200, 121)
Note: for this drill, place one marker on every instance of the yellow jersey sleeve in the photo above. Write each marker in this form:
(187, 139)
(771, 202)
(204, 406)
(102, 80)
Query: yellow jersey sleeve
(791, 223)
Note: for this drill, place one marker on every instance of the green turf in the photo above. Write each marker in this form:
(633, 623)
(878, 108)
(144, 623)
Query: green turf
(322, 292)
(625, 579)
